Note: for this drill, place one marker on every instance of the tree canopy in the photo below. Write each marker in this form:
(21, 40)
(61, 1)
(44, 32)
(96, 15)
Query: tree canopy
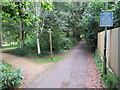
(68, 21)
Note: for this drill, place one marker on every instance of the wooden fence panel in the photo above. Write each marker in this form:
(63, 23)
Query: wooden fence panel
(113, 49)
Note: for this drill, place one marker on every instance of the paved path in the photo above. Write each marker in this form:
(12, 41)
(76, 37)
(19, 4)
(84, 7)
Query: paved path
(71, 72)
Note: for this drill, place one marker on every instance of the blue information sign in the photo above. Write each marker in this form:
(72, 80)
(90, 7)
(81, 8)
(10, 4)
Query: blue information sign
(106, 19)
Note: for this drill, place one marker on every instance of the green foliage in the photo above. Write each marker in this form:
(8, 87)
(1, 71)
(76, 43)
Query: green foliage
(29, 48)
(68, 21)
(47, 5)
(90, 20)
(56, 59)
(110, 80)
(15, 10)
(67, 43)
(10, 78)
(60, 44)
(98, 62)
(25, 51)
(117, 14)
(9, 47)
(30, 43)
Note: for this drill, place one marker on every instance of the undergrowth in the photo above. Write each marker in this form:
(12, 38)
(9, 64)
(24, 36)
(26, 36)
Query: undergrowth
(110, 80)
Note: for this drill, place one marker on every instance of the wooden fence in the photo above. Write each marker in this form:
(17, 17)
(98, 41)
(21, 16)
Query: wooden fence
(113, 49)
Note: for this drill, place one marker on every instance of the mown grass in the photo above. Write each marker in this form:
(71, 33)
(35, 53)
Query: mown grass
(9, 47)
(56, 59)
(110, 80)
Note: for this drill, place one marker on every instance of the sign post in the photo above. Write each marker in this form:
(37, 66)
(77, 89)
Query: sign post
(106, 20)
(50, 36)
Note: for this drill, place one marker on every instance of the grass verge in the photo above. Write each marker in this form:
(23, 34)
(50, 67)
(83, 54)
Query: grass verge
(9, 47)
(110, 80)
(56, 59)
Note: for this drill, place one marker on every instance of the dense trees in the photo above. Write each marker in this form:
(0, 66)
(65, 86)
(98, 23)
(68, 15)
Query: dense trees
(15, 10)
(28, 22)
(91, 20)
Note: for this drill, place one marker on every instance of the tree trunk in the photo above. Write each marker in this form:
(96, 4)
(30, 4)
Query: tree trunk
(20, 34)
(37, 28)
(38, 41)
(0, 40)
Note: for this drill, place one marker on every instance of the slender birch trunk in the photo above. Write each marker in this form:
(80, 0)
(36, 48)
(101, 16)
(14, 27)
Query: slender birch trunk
(37, 28)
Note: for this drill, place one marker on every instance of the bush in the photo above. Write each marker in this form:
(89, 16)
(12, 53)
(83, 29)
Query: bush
(25, 51)
(66, 44)
(110, 80)
(59, 45)
(28, 49)
(30, 42)
(74, 41)
(59, 41)
(9, 78)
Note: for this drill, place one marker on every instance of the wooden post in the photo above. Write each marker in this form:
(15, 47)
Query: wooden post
(50, 37)
(20, 32)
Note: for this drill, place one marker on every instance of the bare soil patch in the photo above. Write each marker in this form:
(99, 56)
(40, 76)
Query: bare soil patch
(30, 70)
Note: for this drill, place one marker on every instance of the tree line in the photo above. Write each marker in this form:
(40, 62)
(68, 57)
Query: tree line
(28, 22)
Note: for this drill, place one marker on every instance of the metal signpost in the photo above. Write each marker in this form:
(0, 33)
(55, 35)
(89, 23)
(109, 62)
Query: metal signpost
(106, 20)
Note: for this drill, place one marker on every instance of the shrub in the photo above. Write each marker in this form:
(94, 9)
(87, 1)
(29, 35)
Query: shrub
(66, 44)
(25, 51)
(59, 41)
(30, 42)
(110, 80)
(74, 41)
(9, 78)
